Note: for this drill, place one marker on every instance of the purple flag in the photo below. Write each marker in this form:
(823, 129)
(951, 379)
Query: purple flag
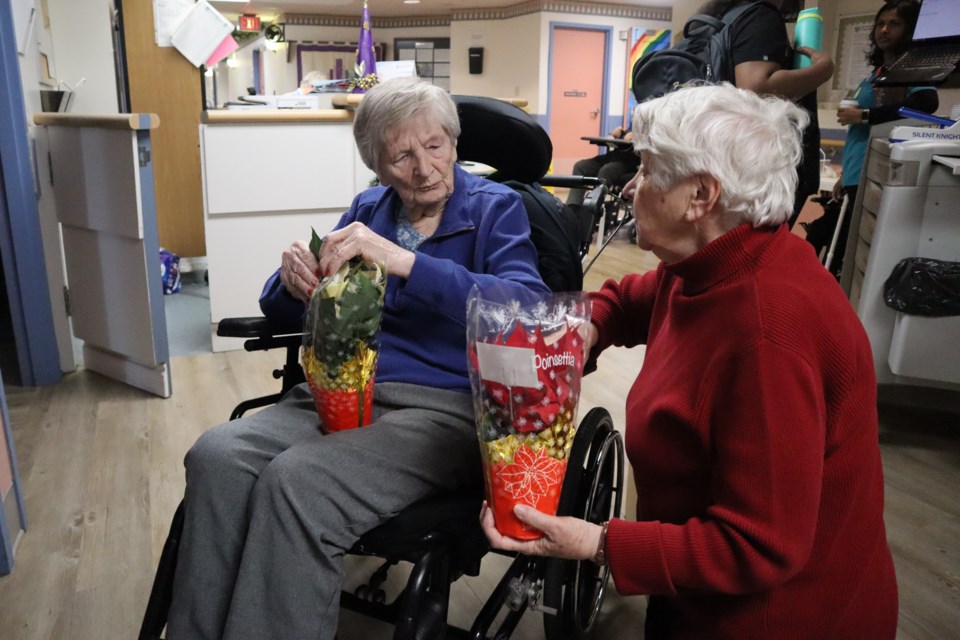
(366, 55)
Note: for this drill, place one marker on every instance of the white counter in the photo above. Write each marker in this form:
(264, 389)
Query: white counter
(268, 177)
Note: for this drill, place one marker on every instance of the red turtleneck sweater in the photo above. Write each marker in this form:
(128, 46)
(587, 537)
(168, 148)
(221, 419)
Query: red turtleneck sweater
(752, 432)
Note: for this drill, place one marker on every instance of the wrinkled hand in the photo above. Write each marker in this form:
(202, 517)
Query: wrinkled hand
(588, 331)
(357, 240)
(563, 537)
(850, 116)
(298, 270)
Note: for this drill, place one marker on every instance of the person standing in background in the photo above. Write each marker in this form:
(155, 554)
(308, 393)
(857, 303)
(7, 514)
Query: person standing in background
(892, 33)
(762, 59)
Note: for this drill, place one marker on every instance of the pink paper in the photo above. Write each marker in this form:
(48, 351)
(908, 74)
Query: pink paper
(225, 48)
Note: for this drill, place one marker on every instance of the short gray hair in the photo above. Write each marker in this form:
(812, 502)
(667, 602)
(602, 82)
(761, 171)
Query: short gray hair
(750, 144)
(390, 104)
(313, 76)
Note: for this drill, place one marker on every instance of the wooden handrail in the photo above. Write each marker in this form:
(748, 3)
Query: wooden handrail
(350, 101)
(135, 121)
(260, 116)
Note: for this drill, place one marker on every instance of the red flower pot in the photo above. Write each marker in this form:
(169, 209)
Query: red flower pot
(339, 409)
(534, 479)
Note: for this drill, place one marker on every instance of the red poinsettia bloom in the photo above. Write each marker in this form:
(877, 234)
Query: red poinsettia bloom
(532, 475)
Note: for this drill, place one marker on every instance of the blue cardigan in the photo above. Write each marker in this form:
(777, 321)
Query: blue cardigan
(483, 239)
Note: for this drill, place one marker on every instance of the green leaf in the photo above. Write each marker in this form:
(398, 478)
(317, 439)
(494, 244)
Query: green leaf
(345, 311)
(315, 243)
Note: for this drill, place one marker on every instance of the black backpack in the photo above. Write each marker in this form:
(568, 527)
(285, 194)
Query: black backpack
(703, 54)
(554, 230)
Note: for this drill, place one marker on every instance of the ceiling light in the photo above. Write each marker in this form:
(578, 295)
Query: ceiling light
(411, 1)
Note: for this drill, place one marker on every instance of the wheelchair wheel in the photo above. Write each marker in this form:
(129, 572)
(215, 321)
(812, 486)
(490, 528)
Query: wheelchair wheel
(592, 490)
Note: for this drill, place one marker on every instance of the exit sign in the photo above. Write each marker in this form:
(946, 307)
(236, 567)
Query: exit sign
(249, 23)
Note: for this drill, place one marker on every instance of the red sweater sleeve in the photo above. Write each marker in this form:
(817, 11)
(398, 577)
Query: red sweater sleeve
(622, 310)
(763, 414)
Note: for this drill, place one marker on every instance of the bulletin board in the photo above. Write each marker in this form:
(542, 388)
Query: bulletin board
(853, 41)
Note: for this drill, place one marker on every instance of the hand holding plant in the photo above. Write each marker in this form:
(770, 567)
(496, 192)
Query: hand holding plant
(340, 341)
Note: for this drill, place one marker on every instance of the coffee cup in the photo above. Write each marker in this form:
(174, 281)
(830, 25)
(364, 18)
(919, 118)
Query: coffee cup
(849, 104)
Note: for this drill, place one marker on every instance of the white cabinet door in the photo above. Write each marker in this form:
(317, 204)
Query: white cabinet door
(103, 186)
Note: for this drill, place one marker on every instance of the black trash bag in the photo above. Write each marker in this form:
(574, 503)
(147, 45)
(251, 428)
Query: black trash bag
(820, 231)
(924, 287)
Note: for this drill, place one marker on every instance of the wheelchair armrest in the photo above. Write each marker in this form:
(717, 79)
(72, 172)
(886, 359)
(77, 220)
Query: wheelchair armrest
(571, 182)
(253, 327)
(261, 333)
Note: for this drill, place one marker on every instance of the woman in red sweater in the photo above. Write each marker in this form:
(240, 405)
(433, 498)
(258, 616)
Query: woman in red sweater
(752, 427)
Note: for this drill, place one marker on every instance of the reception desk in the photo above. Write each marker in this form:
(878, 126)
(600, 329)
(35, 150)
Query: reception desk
(268, 177)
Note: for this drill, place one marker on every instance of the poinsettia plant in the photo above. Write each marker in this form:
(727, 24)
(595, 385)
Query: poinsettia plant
(340, 343)
(526, 363)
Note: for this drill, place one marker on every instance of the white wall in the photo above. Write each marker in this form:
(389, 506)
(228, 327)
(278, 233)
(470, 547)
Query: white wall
(517, 52)
(83, 48)
(682, 11)
(511, 52)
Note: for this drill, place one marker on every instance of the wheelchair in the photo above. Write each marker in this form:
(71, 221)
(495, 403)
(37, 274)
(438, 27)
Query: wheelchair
(441, 537)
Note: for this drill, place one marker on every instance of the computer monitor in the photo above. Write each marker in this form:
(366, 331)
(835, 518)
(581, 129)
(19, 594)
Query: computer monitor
(939, 21)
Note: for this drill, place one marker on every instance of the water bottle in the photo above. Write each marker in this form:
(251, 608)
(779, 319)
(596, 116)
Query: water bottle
(809, 33)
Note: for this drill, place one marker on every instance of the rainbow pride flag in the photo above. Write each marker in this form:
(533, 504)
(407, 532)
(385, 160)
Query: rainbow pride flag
(643, 41)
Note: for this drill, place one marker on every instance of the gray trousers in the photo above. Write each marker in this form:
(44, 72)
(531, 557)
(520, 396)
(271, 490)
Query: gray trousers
(272, 505)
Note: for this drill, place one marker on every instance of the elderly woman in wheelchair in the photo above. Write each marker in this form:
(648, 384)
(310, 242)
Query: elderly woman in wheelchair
(272, 504)
(752, 428)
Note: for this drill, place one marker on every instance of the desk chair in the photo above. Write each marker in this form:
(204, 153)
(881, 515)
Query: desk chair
(441, 536)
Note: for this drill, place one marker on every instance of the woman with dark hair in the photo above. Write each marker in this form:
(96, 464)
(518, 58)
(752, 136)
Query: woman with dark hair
(891, 35)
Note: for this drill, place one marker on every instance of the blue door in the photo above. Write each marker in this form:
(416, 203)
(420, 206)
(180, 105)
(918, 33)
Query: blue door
(21, 248)
(24, 276)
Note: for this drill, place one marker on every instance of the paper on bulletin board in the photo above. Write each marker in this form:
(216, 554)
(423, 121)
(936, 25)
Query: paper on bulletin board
(24, 14)
(167, 16)
(200, 34)
(228, 46)
(853, 41)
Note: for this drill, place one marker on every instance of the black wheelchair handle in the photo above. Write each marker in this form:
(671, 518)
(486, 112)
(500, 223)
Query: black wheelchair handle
(571, 182)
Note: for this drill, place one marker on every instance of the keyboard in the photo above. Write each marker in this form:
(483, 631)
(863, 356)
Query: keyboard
(927, 64)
